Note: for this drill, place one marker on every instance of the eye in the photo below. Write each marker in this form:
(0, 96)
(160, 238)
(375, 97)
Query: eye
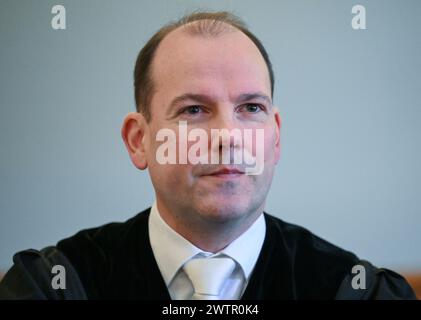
(252, 107)
(192, 109)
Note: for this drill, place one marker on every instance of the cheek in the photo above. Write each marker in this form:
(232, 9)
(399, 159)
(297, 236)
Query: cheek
(169, 178)
(270, 145)
(168, 175)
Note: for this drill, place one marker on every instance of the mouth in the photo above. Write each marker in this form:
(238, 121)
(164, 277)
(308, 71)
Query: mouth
(226, 173)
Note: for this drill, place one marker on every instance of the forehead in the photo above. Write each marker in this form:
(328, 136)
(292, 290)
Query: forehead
(229, 61)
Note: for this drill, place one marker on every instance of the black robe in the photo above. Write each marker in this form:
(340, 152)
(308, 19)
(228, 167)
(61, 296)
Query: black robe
(115, 261)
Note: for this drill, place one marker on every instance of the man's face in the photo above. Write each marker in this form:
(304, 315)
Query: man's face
(216, 74)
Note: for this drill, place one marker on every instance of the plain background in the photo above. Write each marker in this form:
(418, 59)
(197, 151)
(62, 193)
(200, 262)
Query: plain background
(350, 103)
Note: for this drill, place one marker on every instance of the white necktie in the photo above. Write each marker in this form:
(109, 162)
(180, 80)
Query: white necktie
(208, 276)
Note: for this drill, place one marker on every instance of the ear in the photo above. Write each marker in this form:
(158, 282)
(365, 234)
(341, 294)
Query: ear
(133, 133)
(278, 122)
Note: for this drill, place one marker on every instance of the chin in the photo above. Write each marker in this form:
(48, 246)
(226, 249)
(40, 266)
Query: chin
(223, 210)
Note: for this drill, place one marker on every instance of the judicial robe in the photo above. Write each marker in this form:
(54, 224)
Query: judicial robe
(116, 261)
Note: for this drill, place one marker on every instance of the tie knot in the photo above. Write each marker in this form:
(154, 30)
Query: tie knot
(208, 275)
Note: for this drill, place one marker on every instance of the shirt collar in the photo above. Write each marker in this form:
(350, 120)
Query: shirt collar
(170, 258)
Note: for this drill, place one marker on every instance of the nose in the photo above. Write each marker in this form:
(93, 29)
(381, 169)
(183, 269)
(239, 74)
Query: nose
(225, 134)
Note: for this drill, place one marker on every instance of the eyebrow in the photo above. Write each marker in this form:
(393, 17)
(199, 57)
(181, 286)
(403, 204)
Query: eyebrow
(251, 96)
(208, 99)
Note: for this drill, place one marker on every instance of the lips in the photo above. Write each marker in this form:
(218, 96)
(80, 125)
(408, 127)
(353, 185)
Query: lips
(226, 172)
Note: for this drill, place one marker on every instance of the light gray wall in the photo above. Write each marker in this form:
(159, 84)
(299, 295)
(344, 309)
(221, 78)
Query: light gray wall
(350, 102)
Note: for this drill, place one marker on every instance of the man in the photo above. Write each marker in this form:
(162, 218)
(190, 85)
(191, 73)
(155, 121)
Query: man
(206, 235)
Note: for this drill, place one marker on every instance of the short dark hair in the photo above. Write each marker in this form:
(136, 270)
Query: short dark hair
(209, 24)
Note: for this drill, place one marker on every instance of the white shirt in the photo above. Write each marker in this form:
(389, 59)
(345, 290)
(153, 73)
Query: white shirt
(172, 251)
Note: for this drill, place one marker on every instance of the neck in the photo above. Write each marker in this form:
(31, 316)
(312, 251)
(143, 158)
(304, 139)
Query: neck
(207, 234)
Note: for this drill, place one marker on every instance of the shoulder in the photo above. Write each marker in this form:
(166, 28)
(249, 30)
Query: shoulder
(324, 270)
(100, 254)
(41, 275)
(102, 241)
(317, 266)
(91, 259)
(301, 242)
